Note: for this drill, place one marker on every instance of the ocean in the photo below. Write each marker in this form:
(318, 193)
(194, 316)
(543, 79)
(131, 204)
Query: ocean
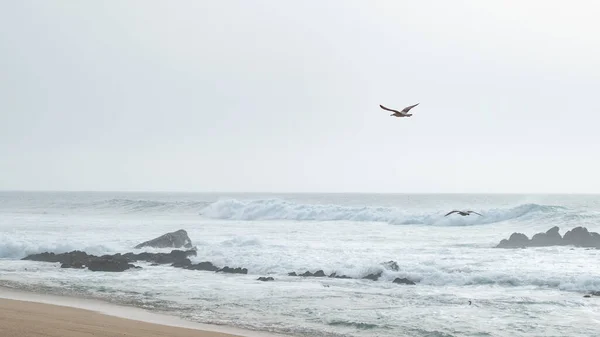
(514, 292)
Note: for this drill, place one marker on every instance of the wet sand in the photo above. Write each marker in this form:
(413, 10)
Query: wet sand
(31, 319)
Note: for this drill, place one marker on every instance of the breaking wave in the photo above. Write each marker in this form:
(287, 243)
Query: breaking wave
(275, 209)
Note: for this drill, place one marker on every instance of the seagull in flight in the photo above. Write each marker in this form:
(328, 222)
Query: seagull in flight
(403, 113)
(463, 213)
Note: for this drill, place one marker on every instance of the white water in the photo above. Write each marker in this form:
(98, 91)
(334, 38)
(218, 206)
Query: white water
(523, 292)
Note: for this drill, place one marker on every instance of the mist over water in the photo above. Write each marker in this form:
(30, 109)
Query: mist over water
(520, 292)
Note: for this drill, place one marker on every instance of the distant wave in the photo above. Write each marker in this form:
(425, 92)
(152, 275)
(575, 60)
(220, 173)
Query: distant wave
(131, 205)
(275, 209)
(145, 205)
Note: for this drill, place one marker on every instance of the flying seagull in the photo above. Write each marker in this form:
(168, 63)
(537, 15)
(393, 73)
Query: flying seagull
(463, 213)
(403, 113)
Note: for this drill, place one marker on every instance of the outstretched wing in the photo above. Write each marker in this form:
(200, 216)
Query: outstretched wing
(388, 109)
(451, 213)
(409, 107)
(475, 212)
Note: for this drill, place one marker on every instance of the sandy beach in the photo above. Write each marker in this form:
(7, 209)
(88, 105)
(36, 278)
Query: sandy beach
(29, 319)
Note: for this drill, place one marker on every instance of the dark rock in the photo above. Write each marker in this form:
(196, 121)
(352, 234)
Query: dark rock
(75, 265)
(391, 265)
(334, 275)
(109, 264)
(44, 257)
(343, 277)
(550, 238)
(403, 281)
(518, 237)
(319, 273)
(116, 262)
(182, 264)
(229, 270)
(207, 266)
(580, 237)
(175, 256)
(553, 232)
(587, 296)
(71, 258)
(175, 239)
(516, 240)
(373, 277)
(265, 279)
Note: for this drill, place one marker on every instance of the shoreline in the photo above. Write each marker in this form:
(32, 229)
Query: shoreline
(106, 311)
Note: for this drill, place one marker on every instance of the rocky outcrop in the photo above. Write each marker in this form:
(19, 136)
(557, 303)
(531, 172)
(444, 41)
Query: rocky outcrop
(177, 239)
(578, 237)
(78, 260)
(550, 238)
(265, 279)
(403, 281)
(229, 270)
(516, 240)
(391, 265)
(109, 263)
(75, 257)
(74, 265)
(178, 259)
(117, 262)
(206, 266)
(174, 257)
(318, 273)
(373, 277)
(335, 275)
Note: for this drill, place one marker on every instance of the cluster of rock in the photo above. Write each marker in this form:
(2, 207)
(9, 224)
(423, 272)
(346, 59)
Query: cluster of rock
(115, 263)
(390, 265)
(121, 262)
(578, 237)
(176, 258)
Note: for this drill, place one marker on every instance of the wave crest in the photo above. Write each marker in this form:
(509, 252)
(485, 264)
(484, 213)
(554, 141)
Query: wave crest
(274, 209)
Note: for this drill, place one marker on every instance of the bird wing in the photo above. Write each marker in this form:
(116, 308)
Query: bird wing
(409, 107)
(475, 213)
(450, 213)
(388, 109)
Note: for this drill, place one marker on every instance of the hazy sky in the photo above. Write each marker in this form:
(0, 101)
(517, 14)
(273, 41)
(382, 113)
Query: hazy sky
(241, 95)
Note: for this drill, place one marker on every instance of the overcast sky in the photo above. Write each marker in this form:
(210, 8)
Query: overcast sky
(283, 96)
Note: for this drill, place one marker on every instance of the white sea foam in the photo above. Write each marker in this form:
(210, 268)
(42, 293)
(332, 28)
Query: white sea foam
(452, 259)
